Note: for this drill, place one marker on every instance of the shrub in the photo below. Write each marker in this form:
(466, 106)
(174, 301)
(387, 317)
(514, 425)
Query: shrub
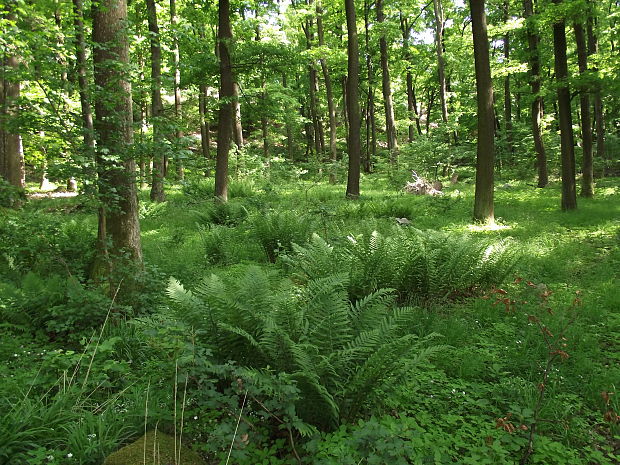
(10, 196)
(226, 214)
(277, 231)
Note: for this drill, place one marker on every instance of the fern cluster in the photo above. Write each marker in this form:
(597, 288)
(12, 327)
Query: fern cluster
(422, 266)
(338, 353)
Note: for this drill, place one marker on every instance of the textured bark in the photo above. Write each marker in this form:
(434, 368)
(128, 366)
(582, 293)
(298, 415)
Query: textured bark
(429, 107)
(569, 194)
(119, 228)
(483, 202)
(412, 104)
(205, 130)
(353, 106)
(177, 82)
(390, 126)
(288, 127)
(507, 96)
(11, 152)
(371, 127)
(313, 88)
(81, 65)
(237, 127)
(537, 103)
(441, 64)
(157, 185)
(599, 121)
(587, 169)
(331, 107)
(227, 93)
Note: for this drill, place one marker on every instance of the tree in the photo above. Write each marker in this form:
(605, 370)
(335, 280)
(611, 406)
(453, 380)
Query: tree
(227, 93)
(157, 185)
(587, 169)
(569, 192)
(11, 152)
(441, 63)
(119, 229)
(390, 126)
(353, 105)
(537, 104)
(485, 155)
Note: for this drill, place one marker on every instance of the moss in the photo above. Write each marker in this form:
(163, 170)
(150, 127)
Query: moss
(159, 451)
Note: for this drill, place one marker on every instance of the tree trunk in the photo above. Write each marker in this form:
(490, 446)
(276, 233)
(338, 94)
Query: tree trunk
(429, 107)
(371, 129)
(483, 202)
(288, 128)
(119, 228)
(599, 121)
(157, 186)
(412, 104)
(205, 136)
(569, 195)
(227, 93)
(441, 66)
(587, 179)
(331, 107)
(353, 105)
(237, 127)
(11, 151)
(507, 96)
(177, 83)
(390, 126)
(537, 103)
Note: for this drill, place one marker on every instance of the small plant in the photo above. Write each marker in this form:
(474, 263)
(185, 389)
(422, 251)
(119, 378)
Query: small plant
(278, 231)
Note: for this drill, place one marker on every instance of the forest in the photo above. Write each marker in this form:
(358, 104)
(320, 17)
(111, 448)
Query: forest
(320, 232)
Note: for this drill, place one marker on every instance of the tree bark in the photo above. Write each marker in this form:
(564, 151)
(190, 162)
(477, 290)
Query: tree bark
(205, 130)
(569, 195)
(599, 121)
(288, 127)
(157, 185)
(371, 127)
(331, 107)
(390, 126)
(537, 104)
(353, 106)
(587, 169)
(227, 93)
(441, 64)
(412, 104)
(177, 83)
(237, 127)
(119, 228)
(11, 151)
(507, 97)
(483, 202)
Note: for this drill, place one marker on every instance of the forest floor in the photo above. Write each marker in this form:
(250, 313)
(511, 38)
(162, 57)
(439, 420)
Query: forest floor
(531, 362)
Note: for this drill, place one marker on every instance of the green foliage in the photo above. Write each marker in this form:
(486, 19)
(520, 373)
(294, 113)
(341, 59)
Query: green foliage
(422, 266)
(10, 196)
(339, 354)
(276, 232)
(226, 214)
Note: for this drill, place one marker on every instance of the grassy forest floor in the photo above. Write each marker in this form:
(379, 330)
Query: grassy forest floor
(494, 340)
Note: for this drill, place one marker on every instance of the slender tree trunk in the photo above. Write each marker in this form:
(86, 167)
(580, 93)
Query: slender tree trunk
(429, 108)
(483, 203)
(288, 127)
(11, 151)
(237, 126)
(537, 103)
(441, 65)
(177, 83)
(371, 130)
(157, 185)
(119, 228)
(331, 107)
(587, 169)
(353, 105)
(569, 195)
(390, 126)
(205, 136)
(227, 93)
(599, 121)
(412, 104)
(507, 96)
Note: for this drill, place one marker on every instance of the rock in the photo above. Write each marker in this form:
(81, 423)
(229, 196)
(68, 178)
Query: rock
(454, 178)
(403, 221)
(159, 451)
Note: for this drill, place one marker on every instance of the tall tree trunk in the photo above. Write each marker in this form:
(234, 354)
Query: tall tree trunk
(288, 127)
(177, 83)
(371, 127)
(429, 108)
(390, 126)
(412, 104)
(119, 228)
(227, 92)
(483, 202)
(331, 107)
(599, 121)
(569, 194)
(537, 104)
(441, 64)
(587, 169)
(313, 88)
(507, 96)
(11, 151)
(157, 185)
(237, 127)
(205, 130)
(353, 104)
